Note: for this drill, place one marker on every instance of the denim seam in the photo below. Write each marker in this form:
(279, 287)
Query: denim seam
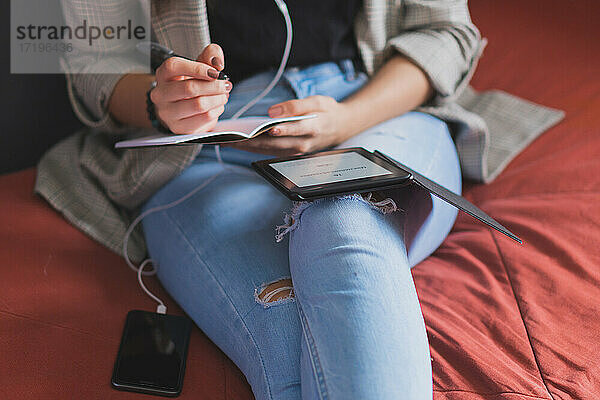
(197, 256)
(314, 355)
(347, 68)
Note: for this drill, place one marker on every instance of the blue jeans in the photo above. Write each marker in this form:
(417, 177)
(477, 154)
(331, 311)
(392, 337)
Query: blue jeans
(352, 327)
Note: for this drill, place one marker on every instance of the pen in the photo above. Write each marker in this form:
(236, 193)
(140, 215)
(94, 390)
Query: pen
(159, 53)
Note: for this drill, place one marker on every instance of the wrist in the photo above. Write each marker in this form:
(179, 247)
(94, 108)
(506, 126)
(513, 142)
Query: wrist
(127, 103)
(351, 119)
(152, 112)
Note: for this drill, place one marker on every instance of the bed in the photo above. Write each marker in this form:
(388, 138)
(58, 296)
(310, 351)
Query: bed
(504, 321)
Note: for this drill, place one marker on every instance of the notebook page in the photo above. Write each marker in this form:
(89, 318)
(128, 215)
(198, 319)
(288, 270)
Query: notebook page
(242, 127)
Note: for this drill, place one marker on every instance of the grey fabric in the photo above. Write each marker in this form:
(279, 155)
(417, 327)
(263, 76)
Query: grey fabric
(520, 120)
(99, 189)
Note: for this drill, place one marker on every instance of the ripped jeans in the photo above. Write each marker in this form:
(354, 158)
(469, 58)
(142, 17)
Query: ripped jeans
(330, 311)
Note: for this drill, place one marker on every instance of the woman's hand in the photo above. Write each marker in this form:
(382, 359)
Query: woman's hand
(188, 98)
(399, 86)
(331, 127)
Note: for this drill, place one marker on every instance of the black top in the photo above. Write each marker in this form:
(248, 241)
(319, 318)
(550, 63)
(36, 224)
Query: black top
(252, 33)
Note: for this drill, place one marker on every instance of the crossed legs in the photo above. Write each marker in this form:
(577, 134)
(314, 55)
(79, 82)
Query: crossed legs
(329, 313)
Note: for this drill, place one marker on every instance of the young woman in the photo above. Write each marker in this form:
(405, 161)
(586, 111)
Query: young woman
(324, 307)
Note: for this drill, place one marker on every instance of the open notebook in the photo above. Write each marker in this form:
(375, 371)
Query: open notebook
(225, 131)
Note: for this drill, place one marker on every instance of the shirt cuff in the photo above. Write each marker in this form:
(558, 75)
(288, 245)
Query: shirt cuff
(90, 92)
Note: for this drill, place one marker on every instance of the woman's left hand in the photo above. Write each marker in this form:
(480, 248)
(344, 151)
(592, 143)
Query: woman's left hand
(331, 127)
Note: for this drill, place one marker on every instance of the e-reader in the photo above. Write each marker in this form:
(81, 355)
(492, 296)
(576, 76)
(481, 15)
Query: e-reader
(355, 170)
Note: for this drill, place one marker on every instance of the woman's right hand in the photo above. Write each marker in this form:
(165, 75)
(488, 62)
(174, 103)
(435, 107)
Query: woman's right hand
(188, 98)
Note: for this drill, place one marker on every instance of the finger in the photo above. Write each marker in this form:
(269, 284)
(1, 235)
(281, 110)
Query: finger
(213, 55)
(198, 123)
(299, 128)
(299, 107)
(190, 107)
(176, 67)
(178, 90)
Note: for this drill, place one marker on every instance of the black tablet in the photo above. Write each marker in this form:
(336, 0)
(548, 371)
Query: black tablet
(327, 173)
(356, 170)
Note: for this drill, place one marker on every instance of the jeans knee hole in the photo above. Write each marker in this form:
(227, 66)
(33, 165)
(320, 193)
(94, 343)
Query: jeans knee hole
(275, 292)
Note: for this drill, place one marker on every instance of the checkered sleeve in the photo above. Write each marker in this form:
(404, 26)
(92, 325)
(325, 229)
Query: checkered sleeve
(93, 72)
(440, 38)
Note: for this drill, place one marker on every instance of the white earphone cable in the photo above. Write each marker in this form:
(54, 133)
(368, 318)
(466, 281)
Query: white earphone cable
(284, 60)
(162, 309)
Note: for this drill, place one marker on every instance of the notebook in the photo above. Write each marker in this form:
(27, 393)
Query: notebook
(225, 131)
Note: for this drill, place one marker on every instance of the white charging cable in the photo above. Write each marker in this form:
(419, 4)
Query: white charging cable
(162, 309)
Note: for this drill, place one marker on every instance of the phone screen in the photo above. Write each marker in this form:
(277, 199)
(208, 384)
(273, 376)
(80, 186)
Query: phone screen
(152, 354)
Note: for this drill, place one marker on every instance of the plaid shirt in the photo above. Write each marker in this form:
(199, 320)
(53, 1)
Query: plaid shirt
(99, 190)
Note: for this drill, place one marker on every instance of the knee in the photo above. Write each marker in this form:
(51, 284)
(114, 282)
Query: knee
(411, 123)
(349, 219)
(352, 214)
(334, 231)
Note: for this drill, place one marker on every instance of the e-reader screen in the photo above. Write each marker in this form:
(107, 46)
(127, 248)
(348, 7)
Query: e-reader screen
(328, 169)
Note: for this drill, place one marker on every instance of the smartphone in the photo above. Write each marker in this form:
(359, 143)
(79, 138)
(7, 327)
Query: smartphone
(152, 354)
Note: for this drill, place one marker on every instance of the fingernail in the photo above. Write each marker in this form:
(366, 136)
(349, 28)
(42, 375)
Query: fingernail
(275, 131)
(228, 86)
(217, 63)
(213, 73)
(276, 111)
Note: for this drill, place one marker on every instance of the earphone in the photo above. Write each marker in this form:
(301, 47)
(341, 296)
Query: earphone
(162, 309)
